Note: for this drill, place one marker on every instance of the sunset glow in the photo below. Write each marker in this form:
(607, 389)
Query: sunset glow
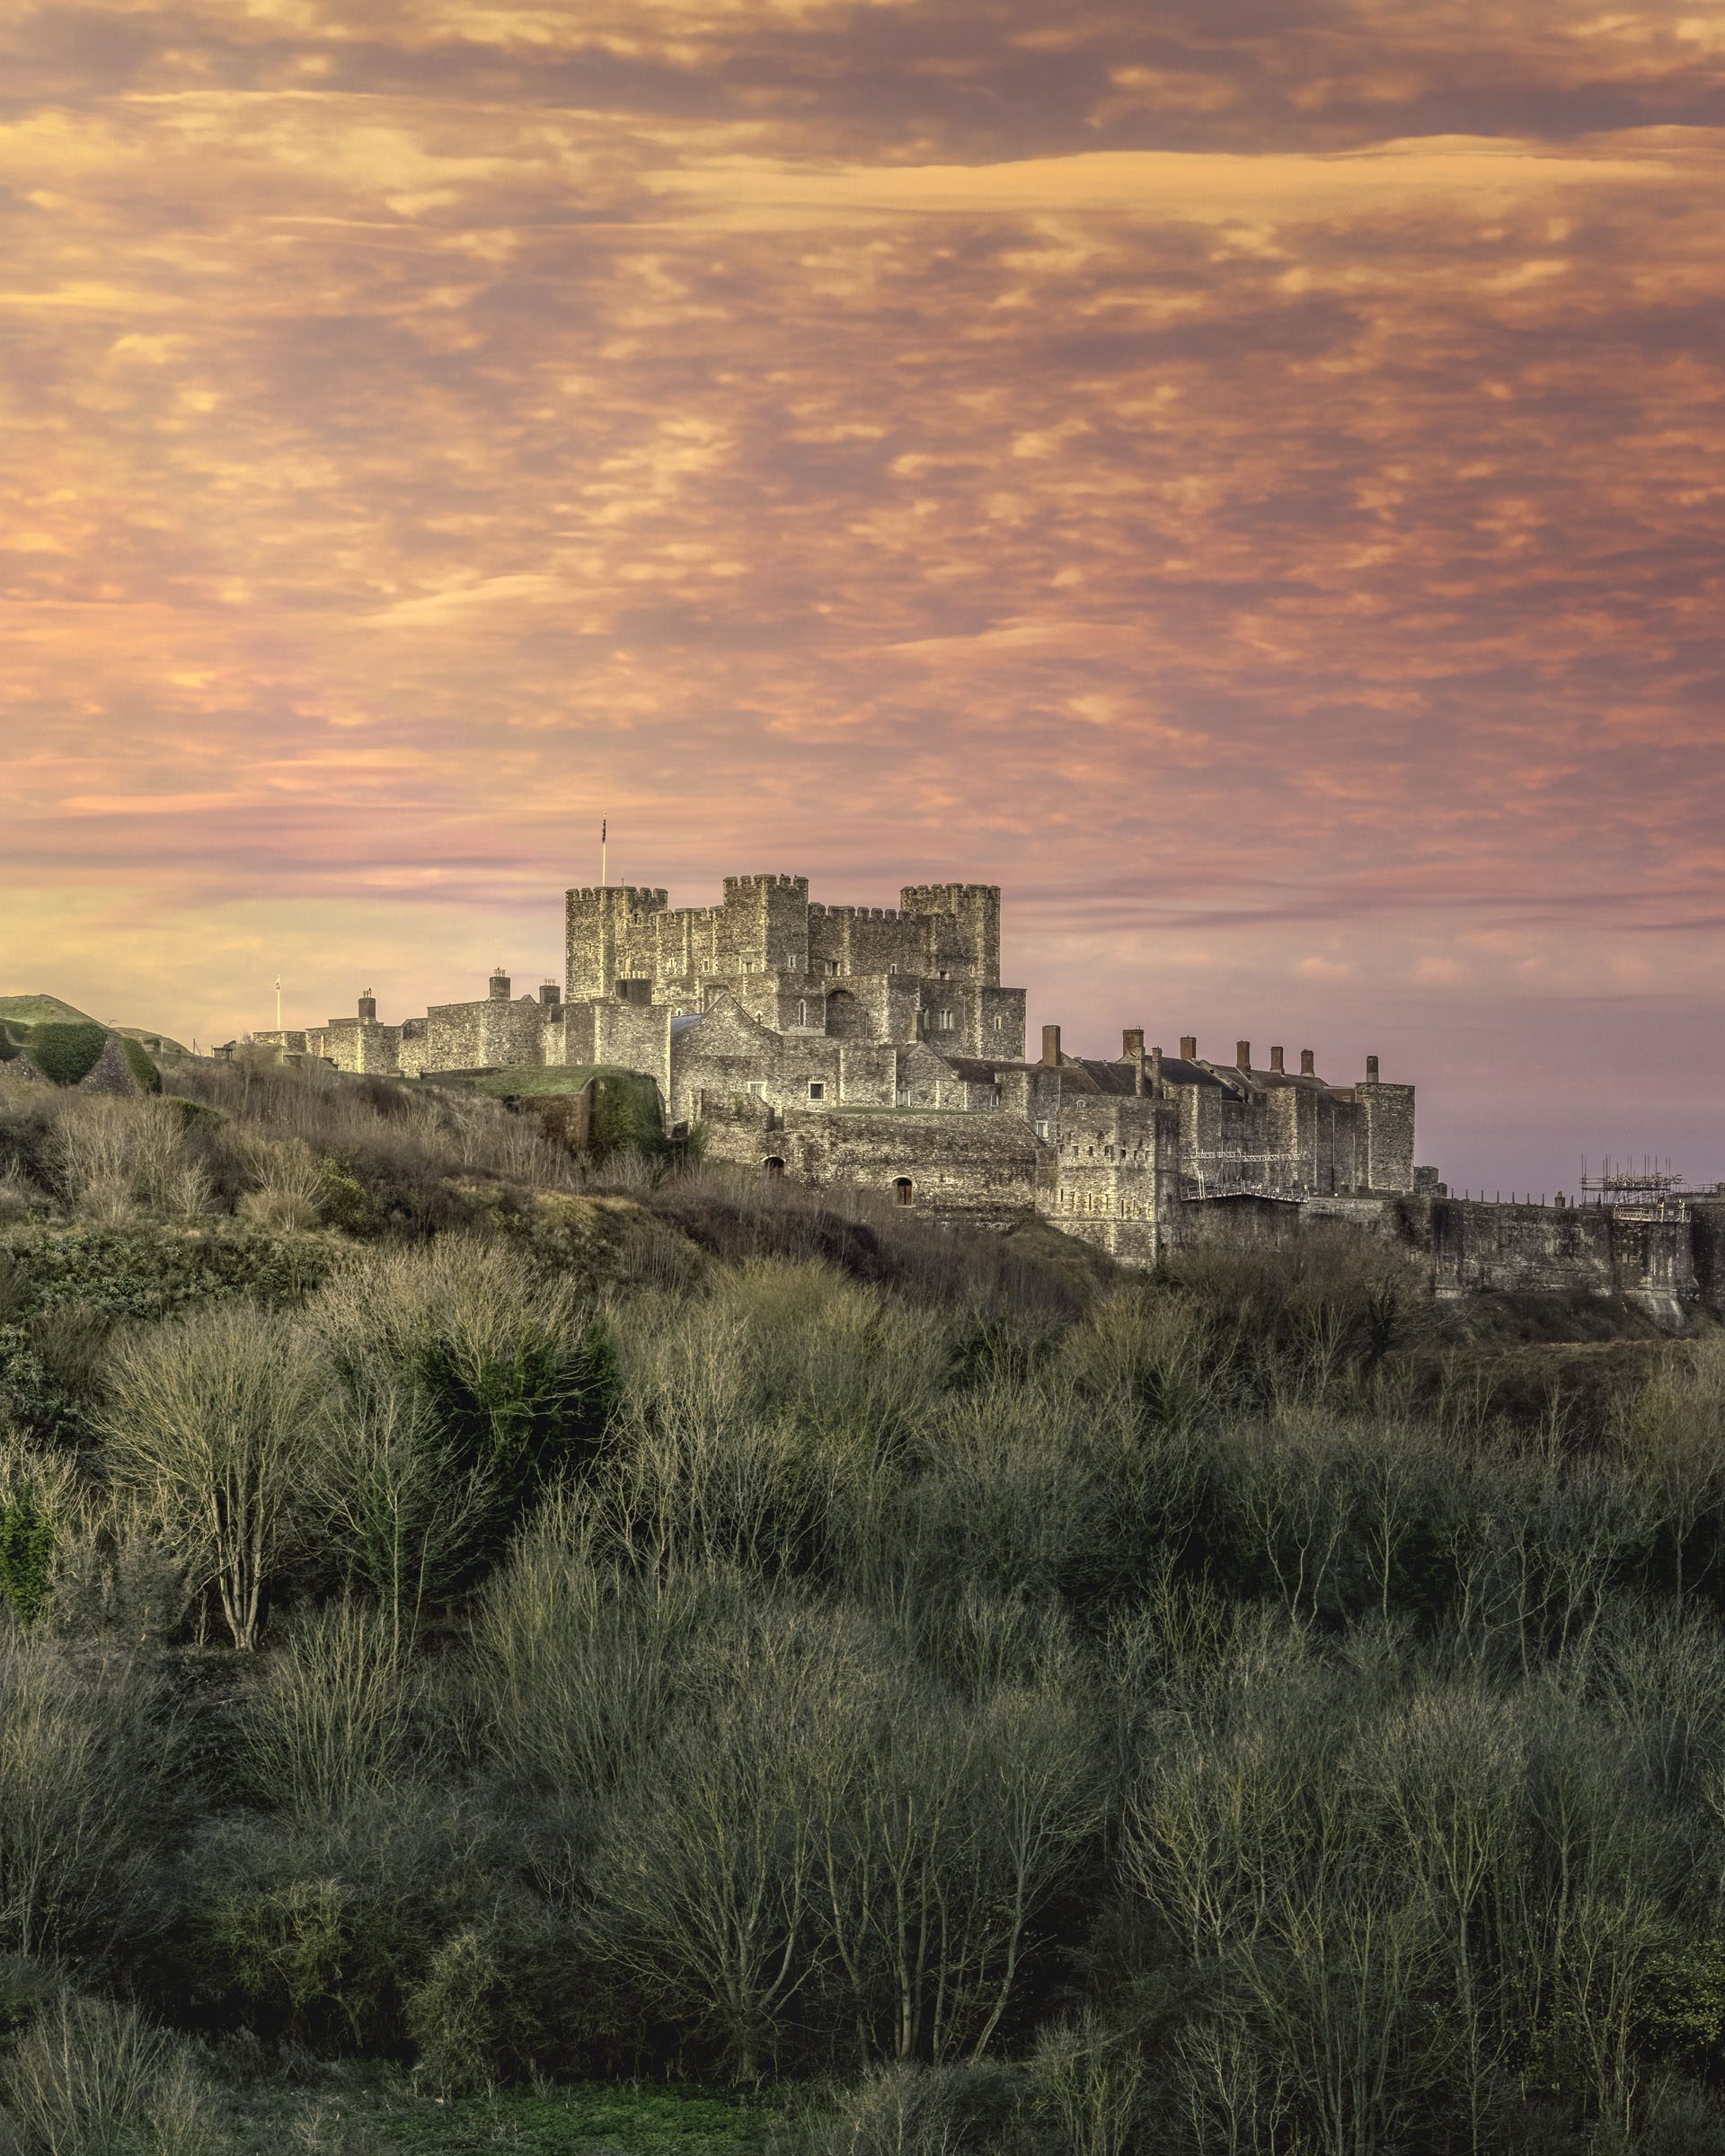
(1248, 480)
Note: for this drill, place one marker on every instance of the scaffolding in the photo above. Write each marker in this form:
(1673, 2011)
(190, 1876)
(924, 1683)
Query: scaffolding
(1651, 1191)
(1230, 1173)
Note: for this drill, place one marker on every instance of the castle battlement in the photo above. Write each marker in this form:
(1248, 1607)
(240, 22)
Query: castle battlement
(934, 898)
(640, 894)
(759, 1016)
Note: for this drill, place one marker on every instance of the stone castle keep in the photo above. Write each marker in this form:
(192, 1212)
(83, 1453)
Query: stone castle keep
(876, 1046)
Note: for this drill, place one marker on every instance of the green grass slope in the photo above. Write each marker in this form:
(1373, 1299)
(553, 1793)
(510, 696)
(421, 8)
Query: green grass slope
(53, 1009)
(376, 2109)
(41, 1009)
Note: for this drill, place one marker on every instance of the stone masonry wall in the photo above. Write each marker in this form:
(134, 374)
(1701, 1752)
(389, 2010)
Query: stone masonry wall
(981, 1168)
(1590, 1250)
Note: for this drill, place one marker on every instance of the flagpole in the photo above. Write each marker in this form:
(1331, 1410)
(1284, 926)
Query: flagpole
(603, 826)
(277, 1002)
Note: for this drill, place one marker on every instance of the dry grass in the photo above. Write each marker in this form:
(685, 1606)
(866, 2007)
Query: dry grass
(119, 1159)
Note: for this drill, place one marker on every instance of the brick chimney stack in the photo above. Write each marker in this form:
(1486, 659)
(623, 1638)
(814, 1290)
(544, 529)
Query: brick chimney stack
(1051, 1046)
(1371, 1070)
(1308, 1064)
(1189, 1048)
(1155, 1073)
(1242, 1055)
(367, 1007)
(1276, 1060)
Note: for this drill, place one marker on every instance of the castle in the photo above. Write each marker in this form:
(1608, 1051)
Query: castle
(876, 1046)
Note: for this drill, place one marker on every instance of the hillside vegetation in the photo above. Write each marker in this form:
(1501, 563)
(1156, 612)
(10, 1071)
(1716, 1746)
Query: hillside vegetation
(501, 1651)
(24, 1011)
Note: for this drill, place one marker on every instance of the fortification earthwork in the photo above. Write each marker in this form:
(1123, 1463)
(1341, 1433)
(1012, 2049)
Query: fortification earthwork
(876, 1046)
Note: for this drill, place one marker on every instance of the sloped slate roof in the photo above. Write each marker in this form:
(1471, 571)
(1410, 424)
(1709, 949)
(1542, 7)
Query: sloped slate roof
(1176, 1070)
(1105, 1077)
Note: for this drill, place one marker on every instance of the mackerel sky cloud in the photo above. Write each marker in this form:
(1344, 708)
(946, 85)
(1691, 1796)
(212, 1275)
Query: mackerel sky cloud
(1248, 479)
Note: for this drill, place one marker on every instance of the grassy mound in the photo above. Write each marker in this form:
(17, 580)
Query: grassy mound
(27, 1010)
(42, 1010)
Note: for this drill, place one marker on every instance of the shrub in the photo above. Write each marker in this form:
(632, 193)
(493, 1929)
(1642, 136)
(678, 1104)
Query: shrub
(462, 2016)
(316, 1926)
(87, 1758)
(26, 1553)
(909, 2111)
(394, 1500)
(518, 1382)
(330, 1716)
(38, 1505)
(148, 1269)
(65, 1051)
(1087, 2088)
(207, 1420)
(626, 1114)
(140, 1064)
(119, 1156)
(116, 1578)
(91, 2079)
(291, 1185)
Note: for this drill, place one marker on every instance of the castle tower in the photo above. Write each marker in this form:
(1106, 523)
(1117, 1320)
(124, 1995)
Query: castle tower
(765, 925)
(598, 922)
(974, 909)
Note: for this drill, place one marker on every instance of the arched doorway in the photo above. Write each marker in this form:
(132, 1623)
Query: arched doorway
(846, 1019)
(902, 1192)
(775, 1167)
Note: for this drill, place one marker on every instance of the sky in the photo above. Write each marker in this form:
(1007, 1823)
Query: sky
(1247, 477)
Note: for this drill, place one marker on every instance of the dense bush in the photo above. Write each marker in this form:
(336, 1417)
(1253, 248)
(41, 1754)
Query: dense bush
(715, 1632)
(65, 1050)
(141, 1063)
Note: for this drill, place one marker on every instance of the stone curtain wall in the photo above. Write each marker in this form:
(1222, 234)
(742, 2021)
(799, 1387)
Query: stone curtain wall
(1386, 1117)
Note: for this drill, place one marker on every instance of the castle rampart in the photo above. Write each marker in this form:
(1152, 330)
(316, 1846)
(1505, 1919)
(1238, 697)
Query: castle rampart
(844, 1041)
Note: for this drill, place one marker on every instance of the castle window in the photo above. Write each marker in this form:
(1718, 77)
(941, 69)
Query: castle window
(816, 1090)
(943, 1021)
(1000, 1023)
(802, 1013)
(902, 1193)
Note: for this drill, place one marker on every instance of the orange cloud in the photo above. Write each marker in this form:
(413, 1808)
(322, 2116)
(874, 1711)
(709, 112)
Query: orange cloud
(1242, 479)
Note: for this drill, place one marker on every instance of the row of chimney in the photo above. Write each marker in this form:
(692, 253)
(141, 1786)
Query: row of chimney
(1132, 1051)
